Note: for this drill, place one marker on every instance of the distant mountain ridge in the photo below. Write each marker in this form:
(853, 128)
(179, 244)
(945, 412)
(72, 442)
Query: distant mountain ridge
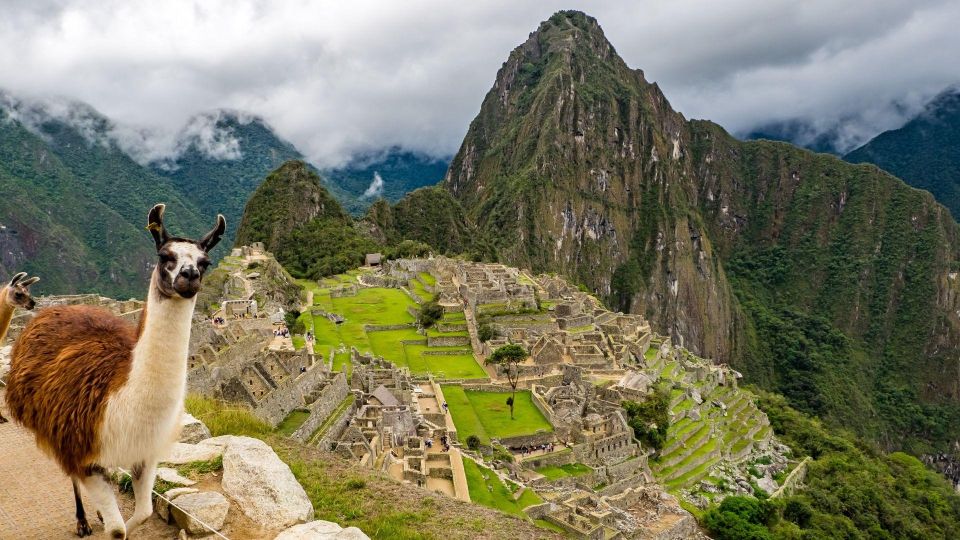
(924, 152)
(59, 153)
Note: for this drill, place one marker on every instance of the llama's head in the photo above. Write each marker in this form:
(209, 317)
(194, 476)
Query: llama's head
(182, 262)
(17, 292)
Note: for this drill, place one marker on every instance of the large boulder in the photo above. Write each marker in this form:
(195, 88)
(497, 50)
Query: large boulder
(261, 484)
(192, 430)
(321, 530)
(194, 512)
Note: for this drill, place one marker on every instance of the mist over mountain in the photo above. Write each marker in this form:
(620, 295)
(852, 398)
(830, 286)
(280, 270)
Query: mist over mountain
(924, 152)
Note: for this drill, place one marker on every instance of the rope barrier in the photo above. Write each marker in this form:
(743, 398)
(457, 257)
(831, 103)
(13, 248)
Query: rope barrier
(174, 505)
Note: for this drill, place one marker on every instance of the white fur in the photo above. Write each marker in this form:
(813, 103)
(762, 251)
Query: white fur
(142, 418)
(188, 255)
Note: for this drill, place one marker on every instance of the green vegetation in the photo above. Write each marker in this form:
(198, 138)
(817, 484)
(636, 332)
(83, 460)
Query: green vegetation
(508, 357)
(650, 419)
(487, 489)
(851, 490)
(293, 421)
(430, 313)
(484, 414)
(377, 306)
(555, 472)
(739, 518)
(925, 152)
(74, 209)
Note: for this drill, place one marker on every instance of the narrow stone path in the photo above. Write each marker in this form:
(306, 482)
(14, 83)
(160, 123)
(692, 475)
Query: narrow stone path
(36, 498)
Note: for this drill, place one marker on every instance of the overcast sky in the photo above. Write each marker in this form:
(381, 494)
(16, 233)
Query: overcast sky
(337, 77)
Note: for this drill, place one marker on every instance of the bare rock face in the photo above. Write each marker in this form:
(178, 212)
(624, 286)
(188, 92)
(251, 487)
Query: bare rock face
(193, 510)
(321, 530)
(262, 484)
(192, 430)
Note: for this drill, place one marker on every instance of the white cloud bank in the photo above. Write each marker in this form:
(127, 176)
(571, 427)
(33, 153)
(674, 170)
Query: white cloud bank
(340, 77)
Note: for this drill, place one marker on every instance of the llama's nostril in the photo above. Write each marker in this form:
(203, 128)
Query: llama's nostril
(190, 273)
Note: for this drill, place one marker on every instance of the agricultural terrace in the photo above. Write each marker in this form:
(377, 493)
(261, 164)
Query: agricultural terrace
(487, 415)
(488, 489)
(380, 307)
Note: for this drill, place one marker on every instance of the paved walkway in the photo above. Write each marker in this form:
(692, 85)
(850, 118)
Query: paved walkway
(36, 498)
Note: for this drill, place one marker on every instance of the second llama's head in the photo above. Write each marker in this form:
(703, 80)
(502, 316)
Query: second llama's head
(182, 262)
(17, 292)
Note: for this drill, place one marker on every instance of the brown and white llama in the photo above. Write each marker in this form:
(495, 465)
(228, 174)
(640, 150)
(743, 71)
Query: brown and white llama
(99, 392)
(13, 295)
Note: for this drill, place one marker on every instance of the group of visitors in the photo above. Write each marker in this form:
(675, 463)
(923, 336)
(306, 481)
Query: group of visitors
(219, 321)
(444, 442)
(525, 449)
(281, 332)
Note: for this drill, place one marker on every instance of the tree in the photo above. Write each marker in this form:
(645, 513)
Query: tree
(650, 419)
(430, 313)
(473, 442)
(485, 333)
(509, 357)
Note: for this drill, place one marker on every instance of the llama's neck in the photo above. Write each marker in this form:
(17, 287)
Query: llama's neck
(160, 356)
(6, 314)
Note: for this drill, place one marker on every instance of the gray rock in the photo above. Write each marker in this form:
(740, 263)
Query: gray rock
(261, 483)
(767, 484)
(162, 507)
(188, 453)
(173, 477)
(208, 507)
(321, 530)
(192, 430)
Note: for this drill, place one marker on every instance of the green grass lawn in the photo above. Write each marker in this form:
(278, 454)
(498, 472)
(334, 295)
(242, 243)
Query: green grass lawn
(554, 472)
(293, 421)
(487, 415)
(487, 489)
(380, 306)
(417, 288)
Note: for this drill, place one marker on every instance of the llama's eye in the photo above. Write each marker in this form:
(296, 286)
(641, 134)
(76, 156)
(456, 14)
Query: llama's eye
(166, 258)
(203, 264)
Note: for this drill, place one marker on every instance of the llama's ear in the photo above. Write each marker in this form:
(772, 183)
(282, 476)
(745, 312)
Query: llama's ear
(17, 277)
(155, 225)
(212, 238)
(29, 281)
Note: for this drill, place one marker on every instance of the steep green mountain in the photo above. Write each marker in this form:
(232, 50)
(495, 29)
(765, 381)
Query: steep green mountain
(390, 174)
(312, 235)
(832, 283)
(306, 228)
(925, 152)
(73, 204)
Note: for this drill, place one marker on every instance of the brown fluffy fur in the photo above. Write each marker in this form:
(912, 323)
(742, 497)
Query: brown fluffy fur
(68, 361)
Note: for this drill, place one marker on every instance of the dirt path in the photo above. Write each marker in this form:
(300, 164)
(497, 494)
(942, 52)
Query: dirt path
(36, 498)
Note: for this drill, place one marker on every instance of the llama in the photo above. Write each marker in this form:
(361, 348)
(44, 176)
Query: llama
(112, 393)
(13, 295)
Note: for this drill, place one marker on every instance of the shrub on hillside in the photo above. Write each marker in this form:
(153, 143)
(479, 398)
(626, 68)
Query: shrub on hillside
(430, 313)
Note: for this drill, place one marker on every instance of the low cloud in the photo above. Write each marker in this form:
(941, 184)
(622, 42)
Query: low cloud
(376, 187)
(339, 78)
